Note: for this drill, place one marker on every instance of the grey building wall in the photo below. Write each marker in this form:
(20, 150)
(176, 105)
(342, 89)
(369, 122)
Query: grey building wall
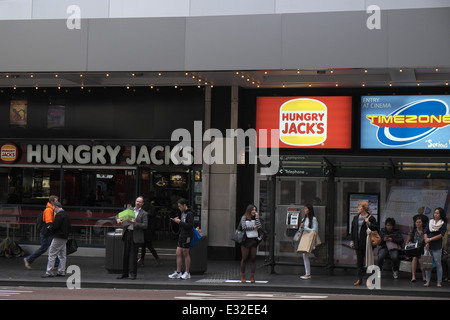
(406, 38)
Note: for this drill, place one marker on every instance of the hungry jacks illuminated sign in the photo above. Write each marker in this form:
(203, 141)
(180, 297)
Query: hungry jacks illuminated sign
(307, 122)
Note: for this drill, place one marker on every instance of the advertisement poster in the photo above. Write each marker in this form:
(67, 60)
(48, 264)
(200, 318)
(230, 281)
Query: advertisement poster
(55, 116)
(355, 198)
(403, 203)
(18, 112)
(405, 122)
(306, 122)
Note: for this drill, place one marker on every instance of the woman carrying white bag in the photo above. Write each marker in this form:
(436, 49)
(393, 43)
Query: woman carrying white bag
(308, 225)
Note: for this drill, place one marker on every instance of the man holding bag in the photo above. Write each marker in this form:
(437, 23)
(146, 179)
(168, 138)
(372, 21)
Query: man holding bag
(133, 237)
(60, 230)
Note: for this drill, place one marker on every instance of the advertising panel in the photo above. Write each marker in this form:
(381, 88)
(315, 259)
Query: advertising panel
(306, 122)
(353, 202)
(405, 122)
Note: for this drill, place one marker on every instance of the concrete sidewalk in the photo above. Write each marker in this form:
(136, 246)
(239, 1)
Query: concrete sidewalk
(220, 275)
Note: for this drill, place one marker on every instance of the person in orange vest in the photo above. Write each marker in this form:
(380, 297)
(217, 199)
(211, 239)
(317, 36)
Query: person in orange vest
(46, 238)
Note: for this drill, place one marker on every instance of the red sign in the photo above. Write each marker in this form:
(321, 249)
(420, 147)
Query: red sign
(306, 122)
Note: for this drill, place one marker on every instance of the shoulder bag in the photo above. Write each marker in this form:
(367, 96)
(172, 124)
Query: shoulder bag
(375, 238)
(239, 235)
(298, 235)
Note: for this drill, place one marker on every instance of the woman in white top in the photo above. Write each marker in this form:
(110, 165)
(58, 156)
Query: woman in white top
(309, 224)
(251, 225)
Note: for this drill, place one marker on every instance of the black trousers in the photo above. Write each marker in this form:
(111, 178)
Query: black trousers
(130, 253)
(149, 245)
(360, 259)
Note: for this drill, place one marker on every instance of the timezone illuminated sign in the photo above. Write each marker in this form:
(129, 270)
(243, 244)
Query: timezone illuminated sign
(405, 122)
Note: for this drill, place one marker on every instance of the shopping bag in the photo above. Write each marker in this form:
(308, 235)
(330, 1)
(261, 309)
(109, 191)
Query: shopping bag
(306, 242)
(126, 215)
(195, 239)
(426, 261)
(405, 266)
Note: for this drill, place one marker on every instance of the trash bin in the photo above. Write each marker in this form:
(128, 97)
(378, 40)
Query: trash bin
(199, 257)
(114, 251)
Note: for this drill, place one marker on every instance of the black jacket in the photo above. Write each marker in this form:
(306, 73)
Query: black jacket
(61, 227)
(396, 236)
(187, 224)
(361, 241)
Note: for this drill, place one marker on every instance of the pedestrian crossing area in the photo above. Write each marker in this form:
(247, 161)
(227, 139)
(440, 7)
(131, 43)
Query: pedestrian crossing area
(13, 293)
(232, 295)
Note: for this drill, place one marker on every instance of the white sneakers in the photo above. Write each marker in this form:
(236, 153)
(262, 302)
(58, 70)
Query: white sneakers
(179, 275)
(175, 275)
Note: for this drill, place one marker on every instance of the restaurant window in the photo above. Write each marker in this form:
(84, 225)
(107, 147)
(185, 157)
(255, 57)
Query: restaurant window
(91, 196)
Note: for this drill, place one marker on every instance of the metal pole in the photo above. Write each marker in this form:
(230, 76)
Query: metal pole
(271, 186)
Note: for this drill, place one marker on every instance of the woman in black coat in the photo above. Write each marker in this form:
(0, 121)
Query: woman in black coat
(358, 236)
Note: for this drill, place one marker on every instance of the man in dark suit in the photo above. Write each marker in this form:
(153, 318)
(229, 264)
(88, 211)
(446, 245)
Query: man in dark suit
(133, 237)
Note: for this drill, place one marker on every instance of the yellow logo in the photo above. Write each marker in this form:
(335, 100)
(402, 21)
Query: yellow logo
(303, 122)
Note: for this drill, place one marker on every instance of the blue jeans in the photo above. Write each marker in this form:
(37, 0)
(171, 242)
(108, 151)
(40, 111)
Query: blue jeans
(437, 254)
(46, 241)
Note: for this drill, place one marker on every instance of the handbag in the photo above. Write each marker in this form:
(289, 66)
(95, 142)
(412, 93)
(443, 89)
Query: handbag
(71, 246)
(238, 236)
(393, 246)
(375, 238)
(195, 238)
(412, 249)
(298, 235)
(426, 261)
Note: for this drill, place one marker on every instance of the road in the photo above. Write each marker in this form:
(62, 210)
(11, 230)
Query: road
(44, 293)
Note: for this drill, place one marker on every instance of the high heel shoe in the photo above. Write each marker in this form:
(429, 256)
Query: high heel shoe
(252, 278)
(358, 283)
(243, 278)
